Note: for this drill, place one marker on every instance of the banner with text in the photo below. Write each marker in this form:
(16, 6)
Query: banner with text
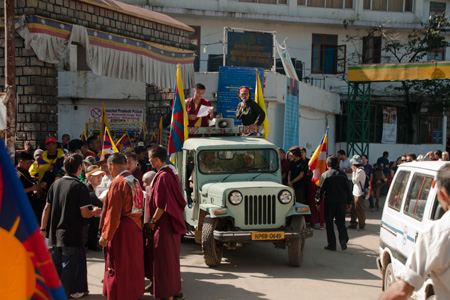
(389, 125)
(230, 80)
(291, 116)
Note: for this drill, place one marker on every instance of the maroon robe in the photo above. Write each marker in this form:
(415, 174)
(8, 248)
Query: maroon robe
(121, 226)
(316, 217)
(163, 249)
(191, 110)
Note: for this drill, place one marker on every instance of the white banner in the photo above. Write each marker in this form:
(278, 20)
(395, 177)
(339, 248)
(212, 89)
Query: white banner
(389, 125)
(287, 62)
(117, 114)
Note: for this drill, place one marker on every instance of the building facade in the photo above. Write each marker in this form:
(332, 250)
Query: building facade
(72, 55)
(324, 37)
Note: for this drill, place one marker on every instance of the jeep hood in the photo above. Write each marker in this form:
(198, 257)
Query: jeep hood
(218, 188)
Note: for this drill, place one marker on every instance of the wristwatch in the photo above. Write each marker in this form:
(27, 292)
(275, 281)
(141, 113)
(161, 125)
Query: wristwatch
(153, 221)
(43, 229)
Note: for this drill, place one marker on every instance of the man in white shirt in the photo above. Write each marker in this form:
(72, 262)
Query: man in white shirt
(345, 165)
(358, 207)
(430, 255)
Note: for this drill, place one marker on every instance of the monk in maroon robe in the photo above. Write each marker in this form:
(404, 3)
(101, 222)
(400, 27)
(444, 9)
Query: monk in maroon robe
(193, 105)
(122, 234)
(164, 218)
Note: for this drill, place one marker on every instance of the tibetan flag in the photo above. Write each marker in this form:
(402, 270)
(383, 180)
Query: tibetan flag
(104, 122)
(108, 144)
(317, 163)
(27, 269)
(259, 99)
(154, 139)
(179, 130)
(124, 143)
(160, 128)
(83, 137)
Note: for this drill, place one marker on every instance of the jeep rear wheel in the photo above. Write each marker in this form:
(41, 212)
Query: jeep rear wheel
(211, 248)
(388, 276)
(296, 247)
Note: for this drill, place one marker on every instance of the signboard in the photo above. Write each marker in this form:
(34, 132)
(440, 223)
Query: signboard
(291, 116)
(437, 136)
(413, 71)
(250, 48)
(389, 125)
(117, 114)
(230, 80)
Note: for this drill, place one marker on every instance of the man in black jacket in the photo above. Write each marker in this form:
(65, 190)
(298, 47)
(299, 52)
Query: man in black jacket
(334, 189)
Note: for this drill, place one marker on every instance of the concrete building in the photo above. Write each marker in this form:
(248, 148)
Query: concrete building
(73, 54)
(318, 33)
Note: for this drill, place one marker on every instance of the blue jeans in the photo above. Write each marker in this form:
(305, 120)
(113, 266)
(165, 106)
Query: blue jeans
(70, 263)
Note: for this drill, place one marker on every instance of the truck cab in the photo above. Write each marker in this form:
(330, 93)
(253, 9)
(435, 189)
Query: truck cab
(232, 186)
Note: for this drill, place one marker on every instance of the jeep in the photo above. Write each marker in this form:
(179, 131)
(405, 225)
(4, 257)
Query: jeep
(232, 186)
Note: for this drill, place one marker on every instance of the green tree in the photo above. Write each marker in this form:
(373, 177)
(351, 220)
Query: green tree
(415, 48)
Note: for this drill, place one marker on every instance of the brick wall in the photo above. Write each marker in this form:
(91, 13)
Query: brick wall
(37, 81)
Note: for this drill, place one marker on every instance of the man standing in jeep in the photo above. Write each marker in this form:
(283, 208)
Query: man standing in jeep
(430, 254)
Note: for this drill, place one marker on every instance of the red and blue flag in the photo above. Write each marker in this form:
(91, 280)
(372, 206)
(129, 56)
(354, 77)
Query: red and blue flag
(83, 137)
(124, 143)
(178, 130)
(27, 269)
(108, 144)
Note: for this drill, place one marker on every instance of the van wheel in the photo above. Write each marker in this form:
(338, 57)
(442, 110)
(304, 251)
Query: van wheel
(388, 276)
(212, 249)
(296, 247)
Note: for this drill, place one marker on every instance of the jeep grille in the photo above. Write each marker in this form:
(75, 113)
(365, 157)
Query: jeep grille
(259, 210)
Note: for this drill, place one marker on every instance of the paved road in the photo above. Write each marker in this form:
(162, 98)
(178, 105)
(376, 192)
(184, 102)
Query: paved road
(259, 271)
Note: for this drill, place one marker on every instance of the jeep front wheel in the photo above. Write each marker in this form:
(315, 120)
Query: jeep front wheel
(212, 249)
(296, 247)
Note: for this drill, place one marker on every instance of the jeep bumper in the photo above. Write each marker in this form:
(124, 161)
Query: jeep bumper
(242, 236)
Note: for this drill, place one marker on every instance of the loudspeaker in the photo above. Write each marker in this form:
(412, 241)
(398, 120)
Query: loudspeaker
(224, 123)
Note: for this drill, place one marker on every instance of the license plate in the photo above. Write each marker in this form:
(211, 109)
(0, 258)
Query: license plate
(263, 236)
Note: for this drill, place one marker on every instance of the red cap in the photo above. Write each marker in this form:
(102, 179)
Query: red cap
(50, 139)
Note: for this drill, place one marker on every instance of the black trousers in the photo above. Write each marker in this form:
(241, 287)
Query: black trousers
(336, 212)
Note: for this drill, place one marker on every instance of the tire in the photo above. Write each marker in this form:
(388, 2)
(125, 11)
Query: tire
(212, 250)
(388, 276)
(296, 247)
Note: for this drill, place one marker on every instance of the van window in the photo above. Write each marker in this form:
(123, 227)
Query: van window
(417, 195)
(398, 190)
(437, 211)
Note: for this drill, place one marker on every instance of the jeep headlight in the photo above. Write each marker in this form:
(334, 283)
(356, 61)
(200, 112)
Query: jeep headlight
(284, 197)
(235, 197)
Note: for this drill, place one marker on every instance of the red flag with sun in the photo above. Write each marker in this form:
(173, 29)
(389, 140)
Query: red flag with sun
(27, 269)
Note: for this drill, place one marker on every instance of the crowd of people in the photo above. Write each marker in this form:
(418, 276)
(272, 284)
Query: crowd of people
(131, 204)
(83, 199)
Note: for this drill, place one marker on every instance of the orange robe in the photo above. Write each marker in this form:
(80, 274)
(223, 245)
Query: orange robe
(124, 255)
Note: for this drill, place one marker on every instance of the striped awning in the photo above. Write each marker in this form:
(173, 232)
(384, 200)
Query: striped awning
(108, 54)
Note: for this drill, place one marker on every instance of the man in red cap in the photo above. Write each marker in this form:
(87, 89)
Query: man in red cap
(49, 162)
(193, 105)
(248, 111)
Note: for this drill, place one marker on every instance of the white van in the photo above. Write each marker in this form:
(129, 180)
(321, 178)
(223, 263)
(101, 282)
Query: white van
(411, 204)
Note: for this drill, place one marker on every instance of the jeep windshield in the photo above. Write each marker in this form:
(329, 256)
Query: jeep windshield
(238, 161)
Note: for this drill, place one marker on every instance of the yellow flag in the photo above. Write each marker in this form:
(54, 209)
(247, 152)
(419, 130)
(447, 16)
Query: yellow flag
(103, 124)
(259, 99)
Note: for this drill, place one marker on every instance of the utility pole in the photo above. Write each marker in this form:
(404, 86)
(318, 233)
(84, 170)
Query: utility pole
(10, 77)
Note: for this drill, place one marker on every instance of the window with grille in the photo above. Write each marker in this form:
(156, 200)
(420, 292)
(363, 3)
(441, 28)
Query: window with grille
(327, 56)
(389, 5)
(371, 50)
